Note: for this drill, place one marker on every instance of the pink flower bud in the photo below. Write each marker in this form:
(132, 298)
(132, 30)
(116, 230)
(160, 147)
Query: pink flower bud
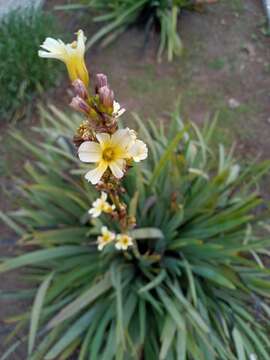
(80, 89)
(106, 96)
(80, 104)
(101, 80)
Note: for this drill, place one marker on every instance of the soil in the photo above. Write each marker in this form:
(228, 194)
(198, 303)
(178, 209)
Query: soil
(225, 68)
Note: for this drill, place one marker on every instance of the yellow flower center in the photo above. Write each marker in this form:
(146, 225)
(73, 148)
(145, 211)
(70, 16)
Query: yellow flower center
(106, 238)
(125, 240)
(108, 154)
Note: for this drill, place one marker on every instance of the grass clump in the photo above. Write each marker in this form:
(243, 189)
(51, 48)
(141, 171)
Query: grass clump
(195, 288)
(23, 73)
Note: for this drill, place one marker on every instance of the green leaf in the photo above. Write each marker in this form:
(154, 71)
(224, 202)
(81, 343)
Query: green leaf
(156, 282)
(194, 315)
(68, 235)
(213, 275)
(11, 223)
(146, 233)
(191, 282)
(41, 256)
(167, 337)
(142, 320)
(181, 345)
(172, 309)
(115, 272)
(73, 332)
(36, 311)
(166, 156)
(238, 341)
(133, 204)
(81, 302)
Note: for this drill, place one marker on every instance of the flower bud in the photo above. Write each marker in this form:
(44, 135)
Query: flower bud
(80, 89)
(80, 104)
(106, 97)
(101, 80)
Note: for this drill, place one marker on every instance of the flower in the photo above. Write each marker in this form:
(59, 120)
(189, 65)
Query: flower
(111, 152)
(123, 241)
(106, 237)
(71, 54)
(117, 110)
(101, 205)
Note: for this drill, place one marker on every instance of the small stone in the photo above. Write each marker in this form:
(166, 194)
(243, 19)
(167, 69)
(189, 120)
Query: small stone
(268, 120)
(250, 50)
(242, 67)
(233, 103)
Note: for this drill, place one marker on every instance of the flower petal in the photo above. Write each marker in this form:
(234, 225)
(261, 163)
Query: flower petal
(51, 44)
(103, 139)
(121, 138)
(116, 106)
(103, 196)
(120, 113)
(90, 152)
(138, 151)
(48, 55)
(81, 42)
(117, 167)
(96, 174)
(55, 49)
(104, 230)
(94, 212)
(118, 246)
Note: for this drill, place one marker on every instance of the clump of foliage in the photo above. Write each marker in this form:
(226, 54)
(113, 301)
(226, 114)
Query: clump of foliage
(23, 74)
(118, 15)
(197, 288)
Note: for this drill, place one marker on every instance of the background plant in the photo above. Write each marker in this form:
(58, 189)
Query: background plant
(199, 288)
(23, 74)
(118, 15)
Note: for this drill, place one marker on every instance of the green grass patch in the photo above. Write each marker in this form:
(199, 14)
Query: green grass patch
(23, 73)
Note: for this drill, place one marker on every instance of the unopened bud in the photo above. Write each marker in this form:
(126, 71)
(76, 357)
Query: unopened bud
(106, 96)
(101, 80)
(80, 89)
(80, 104)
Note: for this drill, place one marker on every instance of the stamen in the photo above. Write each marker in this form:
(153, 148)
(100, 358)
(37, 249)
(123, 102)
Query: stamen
(108, 154)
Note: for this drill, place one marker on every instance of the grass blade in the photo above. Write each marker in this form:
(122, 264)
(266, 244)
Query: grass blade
(36, 310)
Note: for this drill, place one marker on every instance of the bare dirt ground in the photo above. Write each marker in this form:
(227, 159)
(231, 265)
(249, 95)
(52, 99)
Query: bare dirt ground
(225, 68)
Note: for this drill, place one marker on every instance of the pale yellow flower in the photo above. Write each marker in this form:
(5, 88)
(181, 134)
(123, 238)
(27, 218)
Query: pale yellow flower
(105, 238)
(123, 241)
(101, 205)
(71, 54)
(111, 152)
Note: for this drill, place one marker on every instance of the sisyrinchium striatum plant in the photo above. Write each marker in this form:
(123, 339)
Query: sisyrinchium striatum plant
(118, 15)
(161, 259)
